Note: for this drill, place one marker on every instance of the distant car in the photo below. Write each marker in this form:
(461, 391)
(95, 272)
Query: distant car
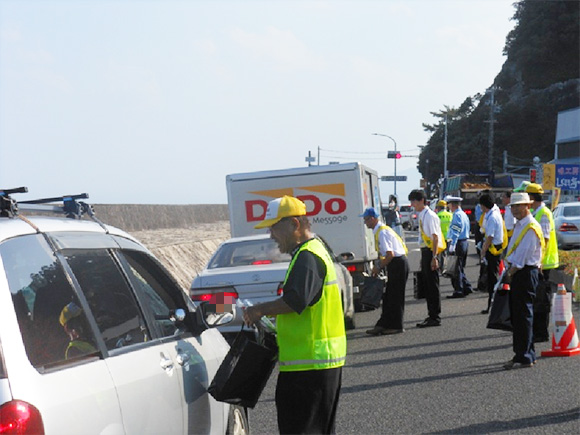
(409, 217)
(252, 268)
(567, 223)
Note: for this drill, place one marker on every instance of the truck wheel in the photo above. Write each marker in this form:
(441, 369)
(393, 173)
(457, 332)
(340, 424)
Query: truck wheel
(238, 421)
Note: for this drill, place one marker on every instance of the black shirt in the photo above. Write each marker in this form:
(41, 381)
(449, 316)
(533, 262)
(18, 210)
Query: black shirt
(304, 285)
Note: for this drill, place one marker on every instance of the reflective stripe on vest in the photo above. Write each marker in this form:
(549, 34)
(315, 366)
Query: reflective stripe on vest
(550, 260)
(429, 242)
(388, 228)
(504, 244)
(314, 339)
(534, 226)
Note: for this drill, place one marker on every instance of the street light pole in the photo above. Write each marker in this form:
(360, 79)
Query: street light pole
(395, 142)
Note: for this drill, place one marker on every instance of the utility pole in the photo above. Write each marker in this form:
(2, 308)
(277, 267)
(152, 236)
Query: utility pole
(445, 173)
(492, 111)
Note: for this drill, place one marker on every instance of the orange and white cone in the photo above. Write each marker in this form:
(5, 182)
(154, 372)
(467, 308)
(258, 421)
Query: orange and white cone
(564, 335)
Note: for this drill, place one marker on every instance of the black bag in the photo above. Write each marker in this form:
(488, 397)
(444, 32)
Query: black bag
(499, 313)
(449, 269)
(482, 280)
(372, 293)
(418, 286)
(245, 370)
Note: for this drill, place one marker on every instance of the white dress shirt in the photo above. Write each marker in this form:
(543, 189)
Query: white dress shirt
(529, 251)
(388, 242)
(494, 225)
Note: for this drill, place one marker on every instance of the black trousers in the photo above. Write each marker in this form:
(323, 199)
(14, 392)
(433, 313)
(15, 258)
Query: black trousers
(431, 282)
(306, 401)
(394, 297)
(522, 294)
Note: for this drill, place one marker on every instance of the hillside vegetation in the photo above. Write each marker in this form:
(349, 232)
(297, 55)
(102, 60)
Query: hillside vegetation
(540, 77)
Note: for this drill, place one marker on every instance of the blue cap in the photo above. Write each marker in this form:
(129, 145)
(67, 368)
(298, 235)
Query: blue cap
(370, 212)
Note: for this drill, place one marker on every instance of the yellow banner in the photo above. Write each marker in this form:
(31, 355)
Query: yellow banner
(549, 181)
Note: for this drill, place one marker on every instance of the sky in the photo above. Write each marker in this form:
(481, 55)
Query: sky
(155, 102)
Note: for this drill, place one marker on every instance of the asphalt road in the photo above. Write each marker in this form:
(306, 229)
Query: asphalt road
(447, 379)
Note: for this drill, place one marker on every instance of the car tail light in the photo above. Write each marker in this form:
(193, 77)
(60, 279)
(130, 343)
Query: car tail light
(259, 262)
(568, 227)
(18, 417)
(212, 294)
(414, 215)
(467, 211)
(351, 268)
(280, 291)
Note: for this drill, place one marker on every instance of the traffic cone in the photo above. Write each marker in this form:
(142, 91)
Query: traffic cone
(564, 335)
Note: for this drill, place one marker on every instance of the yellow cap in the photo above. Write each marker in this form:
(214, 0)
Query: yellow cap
(441, 203)
(70, 311)
(534, 188)
(280, 208)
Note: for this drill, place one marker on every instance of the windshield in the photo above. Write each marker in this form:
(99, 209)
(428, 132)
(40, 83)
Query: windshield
(247, 252)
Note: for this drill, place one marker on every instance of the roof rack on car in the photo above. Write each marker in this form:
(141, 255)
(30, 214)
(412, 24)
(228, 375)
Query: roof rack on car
(71, 207)
(8, 206)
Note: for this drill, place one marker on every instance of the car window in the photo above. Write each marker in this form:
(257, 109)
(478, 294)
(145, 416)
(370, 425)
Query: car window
(247, 252)
(53, 326)
(406, 208)
(155, 290)
(571, 210)
(109, 296)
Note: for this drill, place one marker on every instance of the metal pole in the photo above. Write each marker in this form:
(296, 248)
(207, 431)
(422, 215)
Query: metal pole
(445, 174)
(395, 142)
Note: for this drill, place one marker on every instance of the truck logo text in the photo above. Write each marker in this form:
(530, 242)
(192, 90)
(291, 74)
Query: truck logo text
(335, 205)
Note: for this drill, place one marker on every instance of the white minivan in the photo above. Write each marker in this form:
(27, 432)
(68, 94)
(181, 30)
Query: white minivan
(96, 336)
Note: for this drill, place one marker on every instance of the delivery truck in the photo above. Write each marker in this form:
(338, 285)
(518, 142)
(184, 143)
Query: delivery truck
(335, 197)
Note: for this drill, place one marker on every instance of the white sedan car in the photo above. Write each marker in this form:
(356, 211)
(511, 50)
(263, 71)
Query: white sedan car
(567, 223)
(253, 269)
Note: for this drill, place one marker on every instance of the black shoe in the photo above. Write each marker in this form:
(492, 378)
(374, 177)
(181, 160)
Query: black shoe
(467, 292)
(456, 296)
(379, 330)
(485, 311)
(428, 322)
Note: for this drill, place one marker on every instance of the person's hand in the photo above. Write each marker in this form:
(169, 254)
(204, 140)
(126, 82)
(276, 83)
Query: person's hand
(434, 263)
(452, 249)
(251, 315)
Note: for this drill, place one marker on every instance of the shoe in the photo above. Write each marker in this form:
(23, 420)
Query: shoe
(467, 292)
(379, 330)
(428, 322)
(511, 364)
(456, 296)
(485, 311)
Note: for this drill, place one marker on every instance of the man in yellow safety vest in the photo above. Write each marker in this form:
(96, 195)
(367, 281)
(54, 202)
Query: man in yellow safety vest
(392, 258)
(524, 256)
(551, 260)
(309, 324)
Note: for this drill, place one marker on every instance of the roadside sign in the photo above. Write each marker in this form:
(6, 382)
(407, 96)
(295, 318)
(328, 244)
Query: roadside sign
(393, 178)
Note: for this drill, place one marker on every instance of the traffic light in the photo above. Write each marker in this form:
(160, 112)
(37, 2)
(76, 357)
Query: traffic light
(393, 154)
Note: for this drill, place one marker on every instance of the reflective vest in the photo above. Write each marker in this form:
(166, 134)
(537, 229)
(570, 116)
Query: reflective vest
(550, 260)
(314, 339)
(534, 226)
(81, 346)
(387, 228)
(429, 242)
(445, 218)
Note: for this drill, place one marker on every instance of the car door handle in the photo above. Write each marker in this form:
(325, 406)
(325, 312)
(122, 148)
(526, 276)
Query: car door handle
(166, 363)
(182, 358)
